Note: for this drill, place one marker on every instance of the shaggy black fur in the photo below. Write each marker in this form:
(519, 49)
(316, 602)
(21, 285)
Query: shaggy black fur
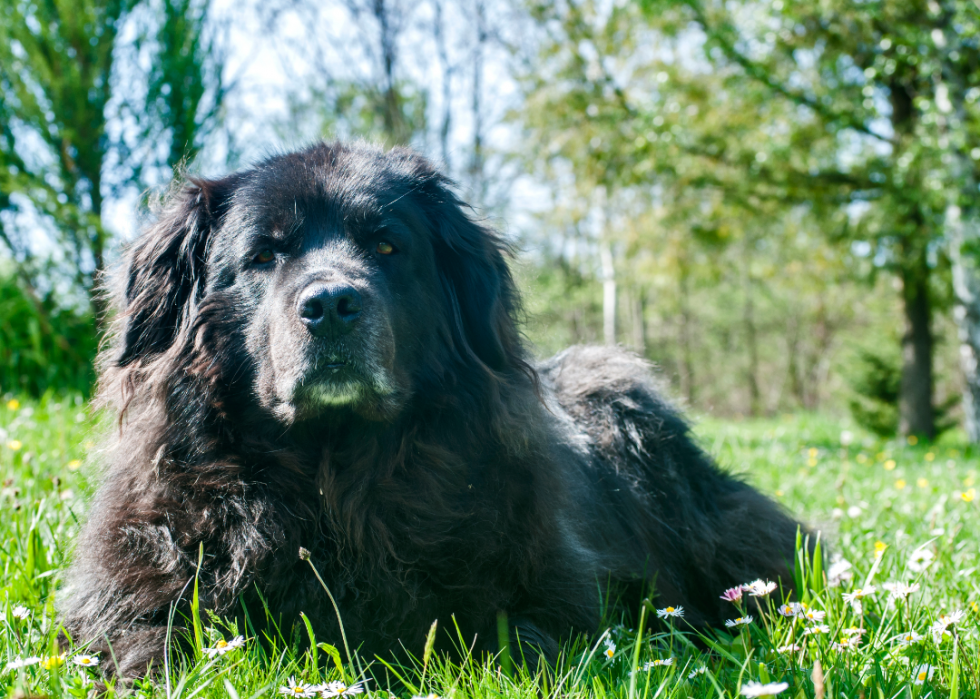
(321, 352)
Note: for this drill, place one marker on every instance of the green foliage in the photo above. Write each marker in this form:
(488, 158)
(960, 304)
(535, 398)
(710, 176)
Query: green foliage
(876, 382)
(43, 347)
(70, 89)
(898, 514)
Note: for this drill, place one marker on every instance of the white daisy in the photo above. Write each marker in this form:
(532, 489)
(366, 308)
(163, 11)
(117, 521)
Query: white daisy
(670, 611)
(859, 593)
(21, 612)
(790, 648)
(839, 572)
(814, 615)
(85, 660)
(922, 673)
(223, 646)
(909, 638)
(853, 631)
(339, 689)
(759, 588)
(757, 689)
(700, 670)
(21, 662)
(659, 662)
(920, 559)
(900, 590)
(816, 629)
(740, 621)
(610, 650)
(790, 609)
(297, 689)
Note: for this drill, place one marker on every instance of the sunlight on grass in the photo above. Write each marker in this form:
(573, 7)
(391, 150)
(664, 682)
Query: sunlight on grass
(892, 610)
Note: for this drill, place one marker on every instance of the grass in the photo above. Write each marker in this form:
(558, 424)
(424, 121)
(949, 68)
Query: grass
(896, 512)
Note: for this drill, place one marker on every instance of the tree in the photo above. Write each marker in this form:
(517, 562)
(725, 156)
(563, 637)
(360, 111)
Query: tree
(61, 89)
(861, 79)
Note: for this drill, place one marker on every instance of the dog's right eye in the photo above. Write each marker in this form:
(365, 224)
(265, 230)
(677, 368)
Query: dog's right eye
(264, 257)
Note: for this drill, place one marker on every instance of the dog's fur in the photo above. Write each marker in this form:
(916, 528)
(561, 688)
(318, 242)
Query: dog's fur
(431, 471)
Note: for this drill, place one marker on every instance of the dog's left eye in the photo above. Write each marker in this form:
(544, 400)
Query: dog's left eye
(385, 248)
(264, 257)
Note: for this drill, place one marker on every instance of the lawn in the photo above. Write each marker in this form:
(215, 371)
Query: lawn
(892, 513)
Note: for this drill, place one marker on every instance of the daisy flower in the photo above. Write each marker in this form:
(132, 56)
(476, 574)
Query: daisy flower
(670, 611)
(907, 639)
(610, 650)
(847, 643)
(900, 590)
(659, 662)
(814, 615)
(21, 612)
(757, 689)
(699, 670)
(223, 646)
(920, 559)
(740, 621)
(922, 673)
(759, 588)
(790, 648)
(732, 594)
(790, 609)
(297, 689)
(21, 662)
(940, 627)
(839, 571)
(816, 629)
(85, 660)
(859, 593)
(427, 696)
(339, 689)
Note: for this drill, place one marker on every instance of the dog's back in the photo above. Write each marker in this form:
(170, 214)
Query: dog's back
(673, 518)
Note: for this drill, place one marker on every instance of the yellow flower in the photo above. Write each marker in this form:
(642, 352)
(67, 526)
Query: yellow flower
(53, 661)
(912, 440)
(14, 444)
(922, 483)
(13, 404)
(969, 495)
(812, 453)
(930, 456)
(880, 547)
(74, 464)
(890, 465)
(779, 493)
(900, 484)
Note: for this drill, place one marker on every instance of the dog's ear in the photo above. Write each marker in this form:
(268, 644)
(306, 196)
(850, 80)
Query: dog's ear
(163, 273)
(483, 299)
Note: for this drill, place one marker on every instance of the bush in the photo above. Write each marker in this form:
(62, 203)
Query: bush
(43, 346)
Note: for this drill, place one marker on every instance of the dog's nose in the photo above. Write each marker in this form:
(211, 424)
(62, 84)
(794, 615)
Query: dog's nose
(329, 310)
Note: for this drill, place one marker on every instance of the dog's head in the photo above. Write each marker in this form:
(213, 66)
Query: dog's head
(333, 278)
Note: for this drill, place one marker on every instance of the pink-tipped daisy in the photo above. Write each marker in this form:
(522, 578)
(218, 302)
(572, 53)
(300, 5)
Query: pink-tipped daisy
(732, 594)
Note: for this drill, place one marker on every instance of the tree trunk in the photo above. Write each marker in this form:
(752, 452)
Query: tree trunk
(608, 293)
(964, 233)
(637, 326)
(915, 396)
(687, 351)
(751, 341)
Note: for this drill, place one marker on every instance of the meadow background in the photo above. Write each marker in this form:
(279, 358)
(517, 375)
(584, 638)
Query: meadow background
(775, 202)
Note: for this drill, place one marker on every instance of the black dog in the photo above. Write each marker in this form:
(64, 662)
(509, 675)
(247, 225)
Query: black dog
(321, 352)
